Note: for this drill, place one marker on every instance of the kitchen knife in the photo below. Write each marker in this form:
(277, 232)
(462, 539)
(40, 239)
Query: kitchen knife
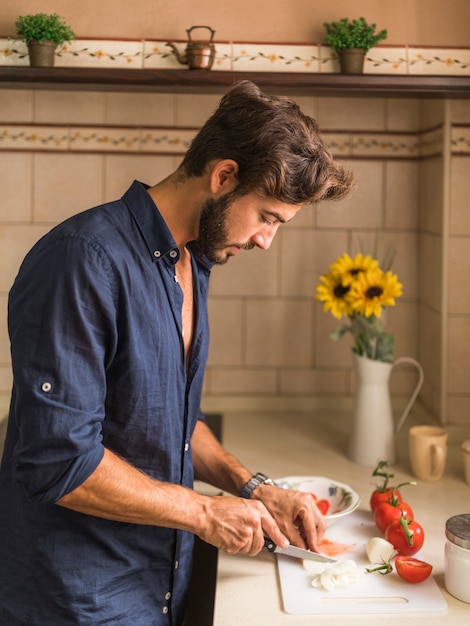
(298, 553)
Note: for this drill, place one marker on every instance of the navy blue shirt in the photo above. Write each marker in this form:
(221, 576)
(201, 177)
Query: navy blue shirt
(98, 361)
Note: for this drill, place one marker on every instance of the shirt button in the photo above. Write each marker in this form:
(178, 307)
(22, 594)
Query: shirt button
(157, 253)
(167, 595)
(186, 447)
(165, 609)
(46, 387)
(177, 564)
(173, 254)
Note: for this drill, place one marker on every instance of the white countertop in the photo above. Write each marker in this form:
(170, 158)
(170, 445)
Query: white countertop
(248, 590)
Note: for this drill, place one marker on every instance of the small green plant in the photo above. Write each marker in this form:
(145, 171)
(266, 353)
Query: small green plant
(352, 34)
(41, 27)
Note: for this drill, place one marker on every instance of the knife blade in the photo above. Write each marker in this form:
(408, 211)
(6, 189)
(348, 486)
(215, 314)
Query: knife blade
(295, 552)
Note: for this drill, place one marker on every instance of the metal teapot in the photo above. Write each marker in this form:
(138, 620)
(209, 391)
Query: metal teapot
(198, 55)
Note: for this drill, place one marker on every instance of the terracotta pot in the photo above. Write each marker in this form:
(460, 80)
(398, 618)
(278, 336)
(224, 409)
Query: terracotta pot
(351, 60)
(41, 53)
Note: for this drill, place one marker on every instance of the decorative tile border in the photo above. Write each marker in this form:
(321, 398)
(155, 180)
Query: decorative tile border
(460, 140)
(175, 141)
(95, 139)
(246, 57)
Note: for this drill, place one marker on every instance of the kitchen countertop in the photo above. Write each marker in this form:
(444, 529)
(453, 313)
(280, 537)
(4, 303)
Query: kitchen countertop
(248, 590)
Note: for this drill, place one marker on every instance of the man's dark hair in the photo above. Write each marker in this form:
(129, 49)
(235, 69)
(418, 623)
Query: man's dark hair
(278, 148)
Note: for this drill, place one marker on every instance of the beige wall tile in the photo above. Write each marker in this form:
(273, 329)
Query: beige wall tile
(458, 356)
(306, 255)
(401, 194)
(16, 186)
(328, 352)
(6, 379)
(432, 112)
(402, 114)
(226, 324)
(66, 184)
(460, 111)
(459, 196)
(141, 109)
(16, 105)
(77, 107)
(321, 382)
(459, 285)
(458, 409)
(193, 110)
(364, 208)
(121, 170)
(351, 113)
(15, 241)
(431, 195)
(251, 273)
(430, 271)
(401, 320)
(4, 339)
(429, 342)
(243, 381)
(278, 332)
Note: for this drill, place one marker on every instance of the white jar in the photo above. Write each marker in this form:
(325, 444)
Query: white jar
(457, 557)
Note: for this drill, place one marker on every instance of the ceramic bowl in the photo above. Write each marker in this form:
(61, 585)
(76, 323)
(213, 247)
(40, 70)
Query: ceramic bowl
(341, 498)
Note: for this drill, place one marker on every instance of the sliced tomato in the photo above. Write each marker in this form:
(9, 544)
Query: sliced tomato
(387, 512)
(412, 570)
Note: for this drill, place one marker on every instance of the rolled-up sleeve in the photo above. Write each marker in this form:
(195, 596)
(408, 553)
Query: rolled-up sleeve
(60, 348)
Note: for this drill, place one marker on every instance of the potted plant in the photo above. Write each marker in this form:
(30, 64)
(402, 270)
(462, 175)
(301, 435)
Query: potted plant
(42, 34)
(351, 39)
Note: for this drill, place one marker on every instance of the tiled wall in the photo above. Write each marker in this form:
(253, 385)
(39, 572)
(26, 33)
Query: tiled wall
(61, 152)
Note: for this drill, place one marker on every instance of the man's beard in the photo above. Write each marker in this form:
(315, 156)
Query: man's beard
(213, 229)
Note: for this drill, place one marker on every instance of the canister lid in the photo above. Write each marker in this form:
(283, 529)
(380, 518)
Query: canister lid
(458, 530)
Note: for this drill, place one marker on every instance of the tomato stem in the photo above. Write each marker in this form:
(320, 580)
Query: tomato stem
(383, 569)
(404, 523)
(385, 475)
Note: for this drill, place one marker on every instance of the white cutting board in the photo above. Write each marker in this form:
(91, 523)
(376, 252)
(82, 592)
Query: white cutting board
(371, 593)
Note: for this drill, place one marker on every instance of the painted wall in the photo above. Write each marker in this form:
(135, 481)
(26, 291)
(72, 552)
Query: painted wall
(409, 22)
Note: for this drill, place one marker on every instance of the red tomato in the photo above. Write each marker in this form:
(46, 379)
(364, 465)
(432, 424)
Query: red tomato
(379, 496)
(386, 513)
(406, 535)
(412, 570)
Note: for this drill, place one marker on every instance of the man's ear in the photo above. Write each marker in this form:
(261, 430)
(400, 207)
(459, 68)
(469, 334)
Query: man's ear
(223, 177)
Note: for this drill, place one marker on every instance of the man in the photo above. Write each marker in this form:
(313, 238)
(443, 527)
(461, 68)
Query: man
(109, 337)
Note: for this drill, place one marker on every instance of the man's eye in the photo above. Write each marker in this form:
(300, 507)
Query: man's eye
(267, 221)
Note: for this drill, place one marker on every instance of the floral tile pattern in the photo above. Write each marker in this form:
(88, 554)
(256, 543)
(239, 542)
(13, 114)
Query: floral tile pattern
(439, 61)
(272, 58)
(95, 139)
(460, 140)
(247, 57)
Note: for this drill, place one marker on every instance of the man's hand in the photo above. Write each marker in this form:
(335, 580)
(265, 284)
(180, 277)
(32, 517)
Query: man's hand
(296, 514)
(238, 525)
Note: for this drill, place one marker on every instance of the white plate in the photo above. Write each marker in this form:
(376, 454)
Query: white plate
(342, 498)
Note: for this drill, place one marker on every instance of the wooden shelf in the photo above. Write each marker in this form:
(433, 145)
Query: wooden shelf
(203, 81)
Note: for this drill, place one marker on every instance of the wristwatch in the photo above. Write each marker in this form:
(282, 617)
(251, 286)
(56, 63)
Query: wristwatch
(255, 481)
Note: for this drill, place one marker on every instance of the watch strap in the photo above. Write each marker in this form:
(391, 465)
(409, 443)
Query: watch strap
(255, 481)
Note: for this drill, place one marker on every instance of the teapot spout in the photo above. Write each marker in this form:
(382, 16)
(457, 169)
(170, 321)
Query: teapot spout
(182, 58)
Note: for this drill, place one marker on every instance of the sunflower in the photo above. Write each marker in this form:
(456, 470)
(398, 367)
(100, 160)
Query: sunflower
(350, 268)
(373, 290)
(334, 295)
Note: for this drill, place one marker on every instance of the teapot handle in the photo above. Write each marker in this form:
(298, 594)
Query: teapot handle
(193, 27)
(402, 360)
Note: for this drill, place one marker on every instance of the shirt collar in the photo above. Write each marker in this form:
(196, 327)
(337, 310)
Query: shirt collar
(157, 235)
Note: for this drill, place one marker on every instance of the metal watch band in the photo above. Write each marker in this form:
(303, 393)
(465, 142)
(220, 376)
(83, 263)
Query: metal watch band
(255, 481)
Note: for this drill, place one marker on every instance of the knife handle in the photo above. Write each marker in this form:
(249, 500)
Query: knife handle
(270, 545)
